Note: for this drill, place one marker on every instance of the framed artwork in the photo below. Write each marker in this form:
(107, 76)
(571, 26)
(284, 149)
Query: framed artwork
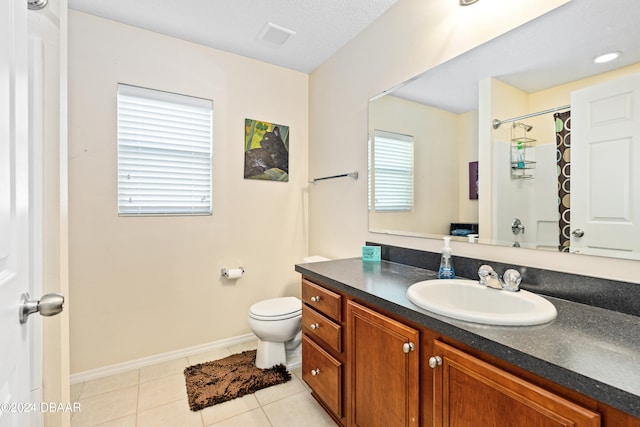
(266, 151)
(473, 180)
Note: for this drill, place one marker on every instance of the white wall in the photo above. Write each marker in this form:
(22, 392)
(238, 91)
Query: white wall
(414, 35)
(435, 135)
(142, 286)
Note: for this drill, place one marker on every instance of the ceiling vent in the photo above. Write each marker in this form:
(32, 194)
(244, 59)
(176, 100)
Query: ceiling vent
(275, 34)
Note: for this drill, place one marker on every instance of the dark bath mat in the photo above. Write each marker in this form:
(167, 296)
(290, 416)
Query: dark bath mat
(235, 376)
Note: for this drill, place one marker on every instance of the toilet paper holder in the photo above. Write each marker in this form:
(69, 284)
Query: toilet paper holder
(224, 272)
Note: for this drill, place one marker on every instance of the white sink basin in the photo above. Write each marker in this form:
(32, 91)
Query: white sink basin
(470, 301)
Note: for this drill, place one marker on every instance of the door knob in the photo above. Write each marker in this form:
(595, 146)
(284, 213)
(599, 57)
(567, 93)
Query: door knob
(577, 232)
(517, 226)
(49, 305)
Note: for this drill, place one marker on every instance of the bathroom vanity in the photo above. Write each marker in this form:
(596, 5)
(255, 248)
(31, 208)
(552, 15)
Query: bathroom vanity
(373, 358)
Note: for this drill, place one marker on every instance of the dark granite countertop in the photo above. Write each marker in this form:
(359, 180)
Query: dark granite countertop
(588, 349)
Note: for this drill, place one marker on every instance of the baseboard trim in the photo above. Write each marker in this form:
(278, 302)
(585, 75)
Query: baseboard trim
(118, 368)
(294, 365)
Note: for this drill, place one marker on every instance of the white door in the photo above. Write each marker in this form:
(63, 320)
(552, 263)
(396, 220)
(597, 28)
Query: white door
(14, 214)
(605, 169)
(19, 235)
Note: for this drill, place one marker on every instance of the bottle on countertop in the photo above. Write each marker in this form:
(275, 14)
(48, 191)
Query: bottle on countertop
(446, 265)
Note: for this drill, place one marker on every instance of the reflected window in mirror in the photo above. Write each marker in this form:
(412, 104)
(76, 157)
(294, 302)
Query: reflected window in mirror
(391, 178)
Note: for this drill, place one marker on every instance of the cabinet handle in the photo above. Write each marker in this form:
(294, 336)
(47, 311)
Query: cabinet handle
(435, 361)
(315, 372)
(408, 346)
(315, 299)
(314, 326)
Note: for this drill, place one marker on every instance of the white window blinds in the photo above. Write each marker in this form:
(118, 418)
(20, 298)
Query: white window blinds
(392, 172)
(164, 153)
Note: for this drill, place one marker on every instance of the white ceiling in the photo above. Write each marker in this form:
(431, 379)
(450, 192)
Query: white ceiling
(553, 49)
(321, 27)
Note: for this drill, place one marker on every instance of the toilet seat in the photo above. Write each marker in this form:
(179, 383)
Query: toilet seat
(276, 309)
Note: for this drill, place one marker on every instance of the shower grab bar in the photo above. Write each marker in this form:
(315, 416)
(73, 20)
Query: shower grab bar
(353, 175)
(496, 123)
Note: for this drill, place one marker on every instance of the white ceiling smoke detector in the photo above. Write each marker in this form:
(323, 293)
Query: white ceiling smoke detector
(275, 34)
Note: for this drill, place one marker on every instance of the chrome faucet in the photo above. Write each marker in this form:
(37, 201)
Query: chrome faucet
(488, 277)
(510, 280)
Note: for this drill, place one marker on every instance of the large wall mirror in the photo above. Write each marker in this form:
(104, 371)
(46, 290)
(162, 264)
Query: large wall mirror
(524, 141)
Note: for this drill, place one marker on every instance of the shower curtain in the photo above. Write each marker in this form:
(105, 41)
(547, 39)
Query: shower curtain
(563, 157)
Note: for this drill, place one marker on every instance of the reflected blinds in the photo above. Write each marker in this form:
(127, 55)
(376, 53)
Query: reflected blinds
(392, 172)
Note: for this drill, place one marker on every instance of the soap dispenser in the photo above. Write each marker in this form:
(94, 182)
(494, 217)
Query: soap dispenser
(446, 266)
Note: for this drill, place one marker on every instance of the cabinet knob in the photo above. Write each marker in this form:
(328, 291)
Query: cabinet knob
(315, 372)
(315, 299)
(314, 326)
(435, 361)
(408, 346)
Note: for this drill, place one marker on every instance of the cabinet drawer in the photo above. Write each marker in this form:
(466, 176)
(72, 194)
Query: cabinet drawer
(323, 300)
(327, 381)
(315, 324)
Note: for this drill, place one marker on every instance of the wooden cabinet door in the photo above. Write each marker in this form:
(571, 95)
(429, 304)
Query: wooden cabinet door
(383, 370)
(469, 392)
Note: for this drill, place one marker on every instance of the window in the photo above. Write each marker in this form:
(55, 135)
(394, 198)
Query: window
(392, 157)
(164, 153)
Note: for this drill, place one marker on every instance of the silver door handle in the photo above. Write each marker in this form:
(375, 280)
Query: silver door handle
(517, 226)
(49, 305)
(577, 232)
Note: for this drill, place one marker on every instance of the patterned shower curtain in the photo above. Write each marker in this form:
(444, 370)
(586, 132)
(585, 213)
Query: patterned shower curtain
(563, 157)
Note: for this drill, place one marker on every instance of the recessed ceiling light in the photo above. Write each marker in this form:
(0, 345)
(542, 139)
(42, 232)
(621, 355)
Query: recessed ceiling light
(607, 57)
(467, 2)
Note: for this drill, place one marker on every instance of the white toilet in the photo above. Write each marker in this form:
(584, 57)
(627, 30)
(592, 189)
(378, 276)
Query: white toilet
(277, 322)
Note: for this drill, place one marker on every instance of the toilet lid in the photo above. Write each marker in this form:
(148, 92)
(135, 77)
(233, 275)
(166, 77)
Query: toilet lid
(276, 308)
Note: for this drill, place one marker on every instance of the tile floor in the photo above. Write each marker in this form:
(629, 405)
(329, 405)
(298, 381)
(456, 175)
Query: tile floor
(156, 396)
